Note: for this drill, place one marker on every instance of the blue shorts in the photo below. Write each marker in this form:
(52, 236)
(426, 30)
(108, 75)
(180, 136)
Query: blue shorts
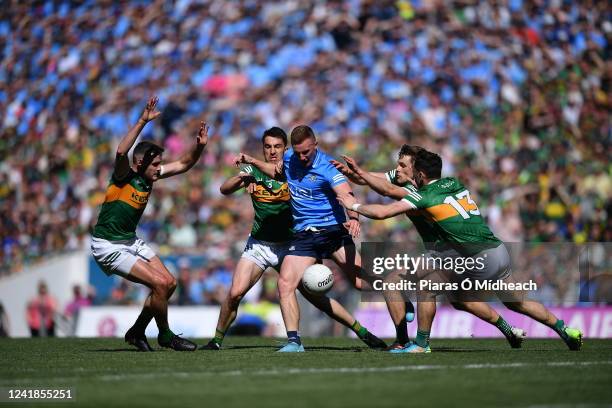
(320, 242)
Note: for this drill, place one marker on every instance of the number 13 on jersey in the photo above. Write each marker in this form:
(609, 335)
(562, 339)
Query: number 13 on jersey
(463, 204)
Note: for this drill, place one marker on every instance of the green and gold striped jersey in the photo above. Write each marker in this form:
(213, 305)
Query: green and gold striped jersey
(426, 229)
(125, 201)
(273, 220)
(447, 203)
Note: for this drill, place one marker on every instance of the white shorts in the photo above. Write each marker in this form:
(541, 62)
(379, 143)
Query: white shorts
(265, 254)
(118, 257)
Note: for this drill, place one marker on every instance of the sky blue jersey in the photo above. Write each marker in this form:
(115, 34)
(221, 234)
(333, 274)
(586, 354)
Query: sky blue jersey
(313, 201)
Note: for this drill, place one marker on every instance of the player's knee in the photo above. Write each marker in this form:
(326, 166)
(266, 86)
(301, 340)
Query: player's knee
(172, 284)
(235, 296)
(515, 306)
(164, 284)
(286, 287)
(159, 286)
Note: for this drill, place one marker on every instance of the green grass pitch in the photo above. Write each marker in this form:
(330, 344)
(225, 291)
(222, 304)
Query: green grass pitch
(333, 372)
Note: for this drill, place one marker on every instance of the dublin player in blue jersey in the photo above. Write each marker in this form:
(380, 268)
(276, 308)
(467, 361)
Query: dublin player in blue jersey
(323, 229)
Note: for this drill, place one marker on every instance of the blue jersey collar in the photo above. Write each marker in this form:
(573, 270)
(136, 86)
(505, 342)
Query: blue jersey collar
(317, 158)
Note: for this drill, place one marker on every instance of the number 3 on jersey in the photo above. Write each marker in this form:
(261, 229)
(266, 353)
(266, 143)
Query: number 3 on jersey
(463, 204)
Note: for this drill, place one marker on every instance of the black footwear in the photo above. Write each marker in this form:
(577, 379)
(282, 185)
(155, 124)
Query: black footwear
(178, 343)
(211, 345)
(138, 340)
(518, 335)
(374, 342)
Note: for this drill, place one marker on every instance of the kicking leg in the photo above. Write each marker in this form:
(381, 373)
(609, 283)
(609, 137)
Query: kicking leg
(483, 311)
(537, 311)
(336, 311)
(348, 259)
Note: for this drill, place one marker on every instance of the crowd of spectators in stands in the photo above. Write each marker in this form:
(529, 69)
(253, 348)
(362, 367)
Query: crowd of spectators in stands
(513, 94)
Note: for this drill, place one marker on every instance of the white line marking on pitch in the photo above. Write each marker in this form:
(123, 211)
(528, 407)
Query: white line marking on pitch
(353, 370)
(328, 370)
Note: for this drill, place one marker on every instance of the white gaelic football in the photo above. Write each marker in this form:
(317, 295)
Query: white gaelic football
(318, 279)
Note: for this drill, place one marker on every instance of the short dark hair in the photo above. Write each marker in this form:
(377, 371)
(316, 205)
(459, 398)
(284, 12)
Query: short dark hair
(301, 133)
(409, 150)
(143, 147)
(275, 132)
(429, 163)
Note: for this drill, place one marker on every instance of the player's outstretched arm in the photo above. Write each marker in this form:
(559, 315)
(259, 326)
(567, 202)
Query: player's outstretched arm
(352, 176)
(377, 181)
(269, 169)
(122, 162)
(235, 183)
(189, 159)
(376, 211)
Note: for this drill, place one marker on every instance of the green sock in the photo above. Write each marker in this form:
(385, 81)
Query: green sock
(422, 338)
(219, 335)
(165, 335)
(504, 327)
(559, 327)
(359, 330)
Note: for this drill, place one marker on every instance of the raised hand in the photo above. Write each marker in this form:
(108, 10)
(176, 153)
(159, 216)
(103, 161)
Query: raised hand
(149, 112)
(243, 158)
(202, 138)
(352, 164)
(342, 168)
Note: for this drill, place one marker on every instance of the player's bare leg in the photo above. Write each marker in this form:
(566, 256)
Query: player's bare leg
(330, 307)
(400, 309)
(539, 312)
(135, 335)
(485, 312)
(426, 311)
(349, 261)
(247, 273)
(336, 311)
(291, 273)
(162, 285)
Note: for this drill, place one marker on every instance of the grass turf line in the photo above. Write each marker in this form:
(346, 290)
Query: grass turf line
(333, 372)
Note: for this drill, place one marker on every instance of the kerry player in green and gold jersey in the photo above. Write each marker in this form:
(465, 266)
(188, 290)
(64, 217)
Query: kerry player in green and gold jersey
(115, 246)
(269, 240)
(396, 184)
(447, 204)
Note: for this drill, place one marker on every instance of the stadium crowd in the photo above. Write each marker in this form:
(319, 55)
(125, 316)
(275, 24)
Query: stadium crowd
(514, 94)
